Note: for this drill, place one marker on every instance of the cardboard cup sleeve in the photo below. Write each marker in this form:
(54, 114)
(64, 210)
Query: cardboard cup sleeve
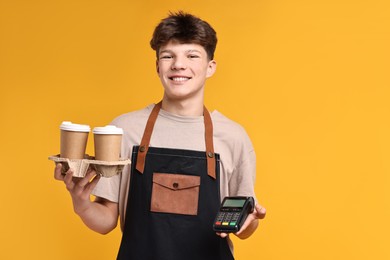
(80, 166)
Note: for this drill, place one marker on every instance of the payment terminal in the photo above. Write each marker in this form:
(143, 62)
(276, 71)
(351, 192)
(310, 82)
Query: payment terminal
(232, 214)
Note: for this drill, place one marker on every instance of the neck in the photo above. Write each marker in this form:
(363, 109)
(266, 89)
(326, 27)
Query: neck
(183, 107)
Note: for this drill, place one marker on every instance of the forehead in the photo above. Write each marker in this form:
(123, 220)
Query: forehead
(175, 46)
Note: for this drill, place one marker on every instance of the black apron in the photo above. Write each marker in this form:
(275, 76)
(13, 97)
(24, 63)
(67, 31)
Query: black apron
(173, 199)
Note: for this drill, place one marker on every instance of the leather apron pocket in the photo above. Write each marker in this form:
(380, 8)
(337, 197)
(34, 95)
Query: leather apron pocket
(175, 193)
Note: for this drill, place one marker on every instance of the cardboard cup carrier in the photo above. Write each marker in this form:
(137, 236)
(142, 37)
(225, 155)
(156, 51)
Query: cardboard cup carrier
(106, 162)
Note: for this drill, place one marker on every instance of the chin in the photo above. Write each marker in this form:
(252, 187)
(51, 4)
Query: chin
(177, 97)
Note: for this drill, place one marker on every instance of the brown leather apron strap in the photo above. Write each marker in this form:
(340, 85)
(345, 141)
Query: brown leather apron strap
(208, 125)
(144, 146)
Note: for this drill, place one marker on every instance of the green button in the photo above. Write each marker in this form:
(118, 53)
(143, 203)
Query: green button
(232, 223)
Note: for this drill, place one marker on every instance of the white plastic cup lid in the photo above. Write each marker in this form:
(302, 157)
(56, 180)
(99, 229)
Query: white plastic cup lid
(69, 126)
(108, 130)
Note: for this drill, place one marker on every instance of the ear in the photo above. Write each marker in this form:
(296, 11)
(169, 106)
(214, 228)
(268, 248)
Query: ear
(211, 68)
(157, 67)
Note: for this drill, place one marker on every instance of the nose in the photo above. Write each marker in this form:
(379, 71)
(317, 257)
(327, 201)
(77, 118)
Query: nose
(178, 64)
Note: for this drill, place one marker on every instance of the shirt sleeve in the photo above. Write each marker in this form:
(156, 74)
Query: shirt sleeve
(243, 178)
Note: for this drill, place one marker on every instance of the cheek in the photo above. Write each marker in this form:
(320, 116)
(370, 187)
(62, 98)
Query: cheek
(160, 70)
(205, 72)
(162, 67)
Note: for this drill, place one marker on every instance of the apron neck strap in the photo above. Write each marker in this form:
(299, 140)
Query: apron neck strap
(144, 146)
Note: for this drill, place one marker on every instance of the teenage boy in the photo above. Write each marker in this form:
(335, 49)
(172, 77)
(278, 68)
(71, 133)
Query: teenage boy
(185, 160)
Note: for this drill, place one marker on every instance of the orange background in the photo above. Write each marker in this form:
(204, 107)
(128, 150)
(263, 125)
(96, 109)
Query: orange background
(309, 80)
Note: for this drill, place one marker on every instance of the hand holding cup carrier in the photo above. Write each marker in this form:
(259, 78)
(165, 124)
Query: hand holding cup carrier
(107, 144)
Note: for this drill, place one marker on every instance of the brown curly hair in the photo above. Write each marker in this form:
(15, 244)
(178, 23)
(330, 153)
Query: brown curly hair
(184, 28)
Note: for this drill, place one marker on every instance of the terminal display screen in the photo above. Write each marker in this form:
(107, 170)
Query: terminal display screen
(234, 203)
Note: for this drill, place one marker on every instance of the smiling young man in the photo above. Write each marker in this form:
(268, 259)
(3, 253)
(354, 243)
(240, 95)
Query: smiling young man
(185, 160)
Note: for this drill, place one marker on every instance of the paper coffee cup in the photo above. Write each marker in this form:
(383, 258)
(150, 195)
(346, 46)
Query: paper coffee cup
(73, 140)
(108, 140)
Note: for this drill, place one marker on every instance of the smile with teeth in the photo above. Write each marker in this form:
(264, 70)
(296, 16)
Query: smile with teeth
(179, 79)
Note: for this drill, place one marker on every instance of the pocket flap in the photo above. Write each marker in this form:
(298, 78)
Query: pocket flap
(176, 181)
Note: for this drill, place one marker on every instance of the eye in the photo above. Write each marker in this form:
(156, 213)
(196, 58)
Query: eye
(193, 56)
(166, 57)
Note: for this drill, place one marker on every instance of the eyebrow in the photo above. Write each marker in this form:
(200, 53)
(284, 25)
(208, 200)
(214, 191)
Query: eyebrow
(194, 51)
(187, 51)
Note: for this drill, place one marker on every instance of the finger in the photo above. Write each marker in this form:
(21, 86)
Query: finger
(86, 179)
(68, 180)
(260, 211)
(57, 172)
(223, 235)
